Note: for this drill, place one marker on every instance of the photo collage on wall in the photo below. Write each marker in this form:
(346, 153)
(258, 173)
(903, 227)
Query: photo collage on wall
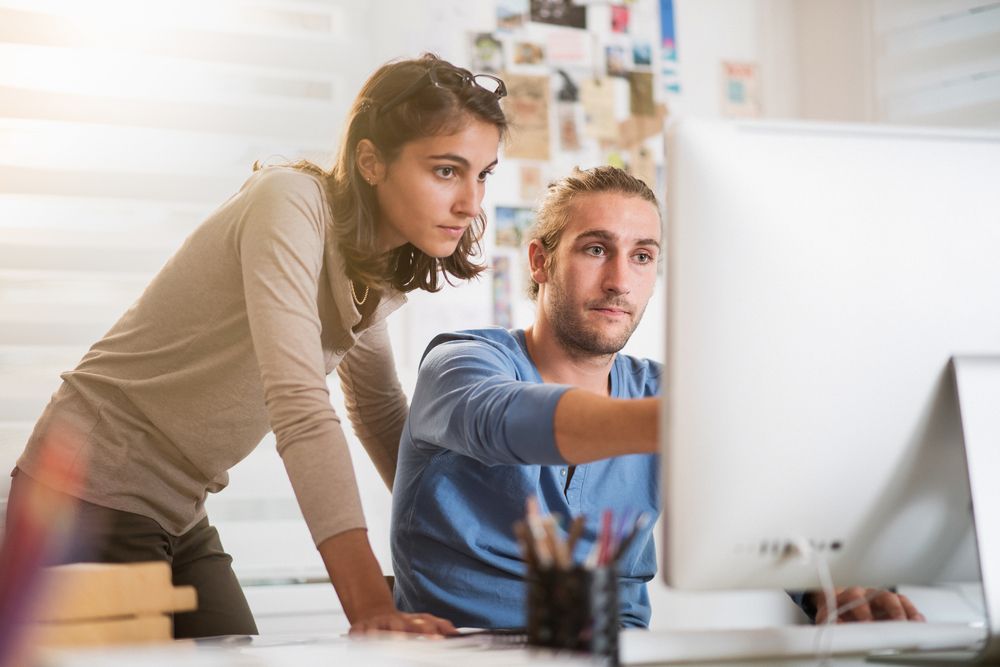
(581, 91)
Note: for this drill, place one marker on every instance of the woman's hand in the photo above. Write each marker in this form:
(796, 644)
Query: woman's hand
(393, 620)
(364, 592)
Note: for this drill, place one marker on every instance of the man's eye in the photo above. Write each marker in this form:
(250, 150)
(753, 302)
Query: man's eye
(644, 257)
(595, 250)
(483, 175)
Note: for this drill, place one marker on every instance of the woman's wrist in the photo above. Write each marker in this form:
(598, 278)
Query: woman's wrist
(356, 576)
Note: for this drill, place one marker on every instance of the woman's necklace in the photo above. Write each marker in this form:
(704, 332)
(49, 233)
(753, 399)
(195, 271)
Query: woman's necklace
(354, 294)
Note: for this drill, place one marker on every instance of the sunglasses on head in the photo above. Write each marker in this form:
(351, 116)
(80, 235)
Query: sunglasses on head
(445, 77)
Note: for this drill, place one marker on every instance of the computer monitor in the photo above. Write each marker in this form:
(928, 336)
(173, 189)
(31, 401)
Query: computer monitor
(820, 281)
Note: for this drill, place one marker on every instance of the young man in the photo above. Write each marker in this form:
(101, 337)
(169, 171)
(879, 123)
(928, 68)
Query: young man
(553, 411)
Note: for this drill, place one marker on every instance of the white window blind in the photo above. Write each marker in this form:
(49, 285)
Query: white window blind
(123, 123)
(938, 62)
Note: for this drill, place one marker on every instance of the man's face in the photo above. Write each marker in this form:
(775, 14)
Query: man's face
(603, 273)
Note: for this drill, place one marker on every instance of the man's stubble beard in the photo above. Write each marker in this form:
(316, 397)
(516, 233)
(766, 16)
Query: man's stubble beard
(576, 337)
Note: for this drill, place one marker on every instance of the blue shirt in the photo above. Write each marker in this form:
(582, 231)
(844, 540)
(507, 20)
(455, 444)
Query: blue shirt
(479, 440)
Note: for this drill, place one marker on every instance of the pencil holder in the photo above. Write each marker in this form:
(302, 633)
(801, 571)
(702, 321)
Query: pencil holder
(575, 609)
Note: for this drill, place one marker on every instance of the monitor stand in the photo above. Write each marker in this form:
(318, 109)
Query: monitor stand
(977, 383)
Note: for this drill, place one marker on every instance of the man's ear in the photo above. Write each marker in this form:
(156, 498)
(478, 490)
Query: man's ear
(368, 161)
(536, 262)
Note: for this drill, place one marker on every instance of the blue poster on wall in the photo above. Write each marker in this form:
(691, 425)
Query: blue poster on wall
(668, 48)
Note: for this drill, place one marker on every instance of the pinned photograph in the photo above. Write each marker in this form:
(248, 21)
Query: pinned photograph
(641, 93)
(643, 166)
(568, 90)
(502, 305)
(528, 53)
(512, 222)
(617, 63)
(528, 106)
(486, 53)
(598, 100)
(511, 14)
(569, 127)
(569, 48)
(559, 12)
(642, 54)
(740, 90)
(532, 184)
(619, 18)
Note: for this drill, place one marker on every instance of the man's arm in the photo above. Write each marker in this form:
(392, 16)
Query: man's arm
(470, 399)
(589, 427)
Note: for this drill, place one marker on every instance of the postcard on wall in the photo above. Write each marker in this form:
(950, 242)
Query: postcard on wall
(511, 14)
(641, 93)
(740, 90)
(532, 184)
(642, 54)
(511, 224)
(616, 60)
(569, 127)
(559, 12)
(619, 18)
(528, 53)
(598, 100)
(527, 104)
(570, 48)
(568, 90)
(502, 292)
(643, 167)
(486, 53)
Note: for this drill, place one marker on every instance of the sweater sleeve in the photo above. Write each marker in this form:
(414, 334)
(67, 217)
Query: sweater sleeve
(469, 399)
(376, 404)
(281, 254)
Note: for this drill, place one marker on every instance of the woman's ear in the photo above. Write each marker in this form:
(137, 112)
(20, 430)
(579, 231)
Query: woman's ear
(368, 161)
(536, 262)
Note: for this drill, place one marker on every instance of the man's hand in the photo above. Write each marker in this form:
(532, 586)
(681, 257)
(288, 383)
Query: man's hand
(867, 604)
(396, 621)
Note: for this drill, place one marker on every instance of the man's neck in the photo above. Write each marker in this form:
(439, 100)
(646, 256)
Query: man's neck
(558, 364)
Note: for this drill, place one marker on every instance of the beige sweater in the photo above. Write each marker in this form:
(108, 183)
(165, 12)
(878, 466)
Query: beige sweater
(234, 338)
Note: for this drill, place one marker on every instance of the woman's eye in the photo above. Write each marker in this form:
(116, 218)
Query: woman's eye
(484, 174)
(445, 172)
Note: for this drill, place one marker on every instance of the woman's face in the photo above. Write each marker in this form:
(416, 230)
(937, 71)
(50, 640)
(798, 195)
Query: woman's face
(431, 192)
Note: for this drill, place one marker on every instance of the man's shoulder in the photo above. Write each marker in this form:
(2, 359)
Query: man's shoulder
(499, 339)
(641, 377)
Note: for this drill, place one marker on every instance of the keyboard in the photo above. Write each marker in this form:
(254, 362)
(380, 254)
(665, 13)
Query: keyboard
(640, 647)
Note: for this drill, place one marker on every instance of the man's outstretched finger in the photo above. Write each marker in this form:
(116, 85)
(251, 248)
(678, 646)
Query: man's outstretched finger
(912, 613)
(887, 606)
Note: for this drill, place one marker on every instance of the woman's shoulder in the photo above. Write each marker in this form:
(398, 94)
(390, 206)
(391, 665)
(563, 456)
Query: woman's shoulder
(282, 182)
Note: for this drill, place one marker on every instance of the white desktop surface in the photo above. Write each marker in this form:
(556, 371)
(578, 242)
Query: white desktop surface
(308, 651)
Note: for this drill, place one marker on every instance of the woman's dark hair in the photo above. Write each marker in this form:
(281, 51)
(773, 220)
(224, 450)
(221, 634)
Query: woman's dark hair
(429, 110)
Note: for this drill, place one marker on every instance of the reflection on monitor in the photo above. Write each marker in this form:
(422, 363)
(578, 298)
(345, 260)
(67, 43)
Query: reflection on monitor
(820, 280)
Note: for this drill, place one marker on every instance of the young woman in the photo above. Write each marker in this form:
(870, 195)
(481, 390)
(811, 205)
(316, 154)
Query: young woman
(289, 279)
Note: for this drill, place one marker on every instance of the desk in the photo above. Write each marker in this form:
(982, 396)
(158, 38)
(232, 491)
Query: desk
(327, 651)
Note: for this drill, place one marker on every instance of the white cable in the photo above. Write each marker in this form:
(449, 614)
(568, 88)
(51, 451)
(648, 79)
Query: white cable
(806, 552)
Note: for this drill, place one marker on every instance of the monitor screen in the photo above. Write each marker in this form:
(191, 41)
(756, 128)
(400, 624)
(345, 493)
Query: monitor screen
(819, 280)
